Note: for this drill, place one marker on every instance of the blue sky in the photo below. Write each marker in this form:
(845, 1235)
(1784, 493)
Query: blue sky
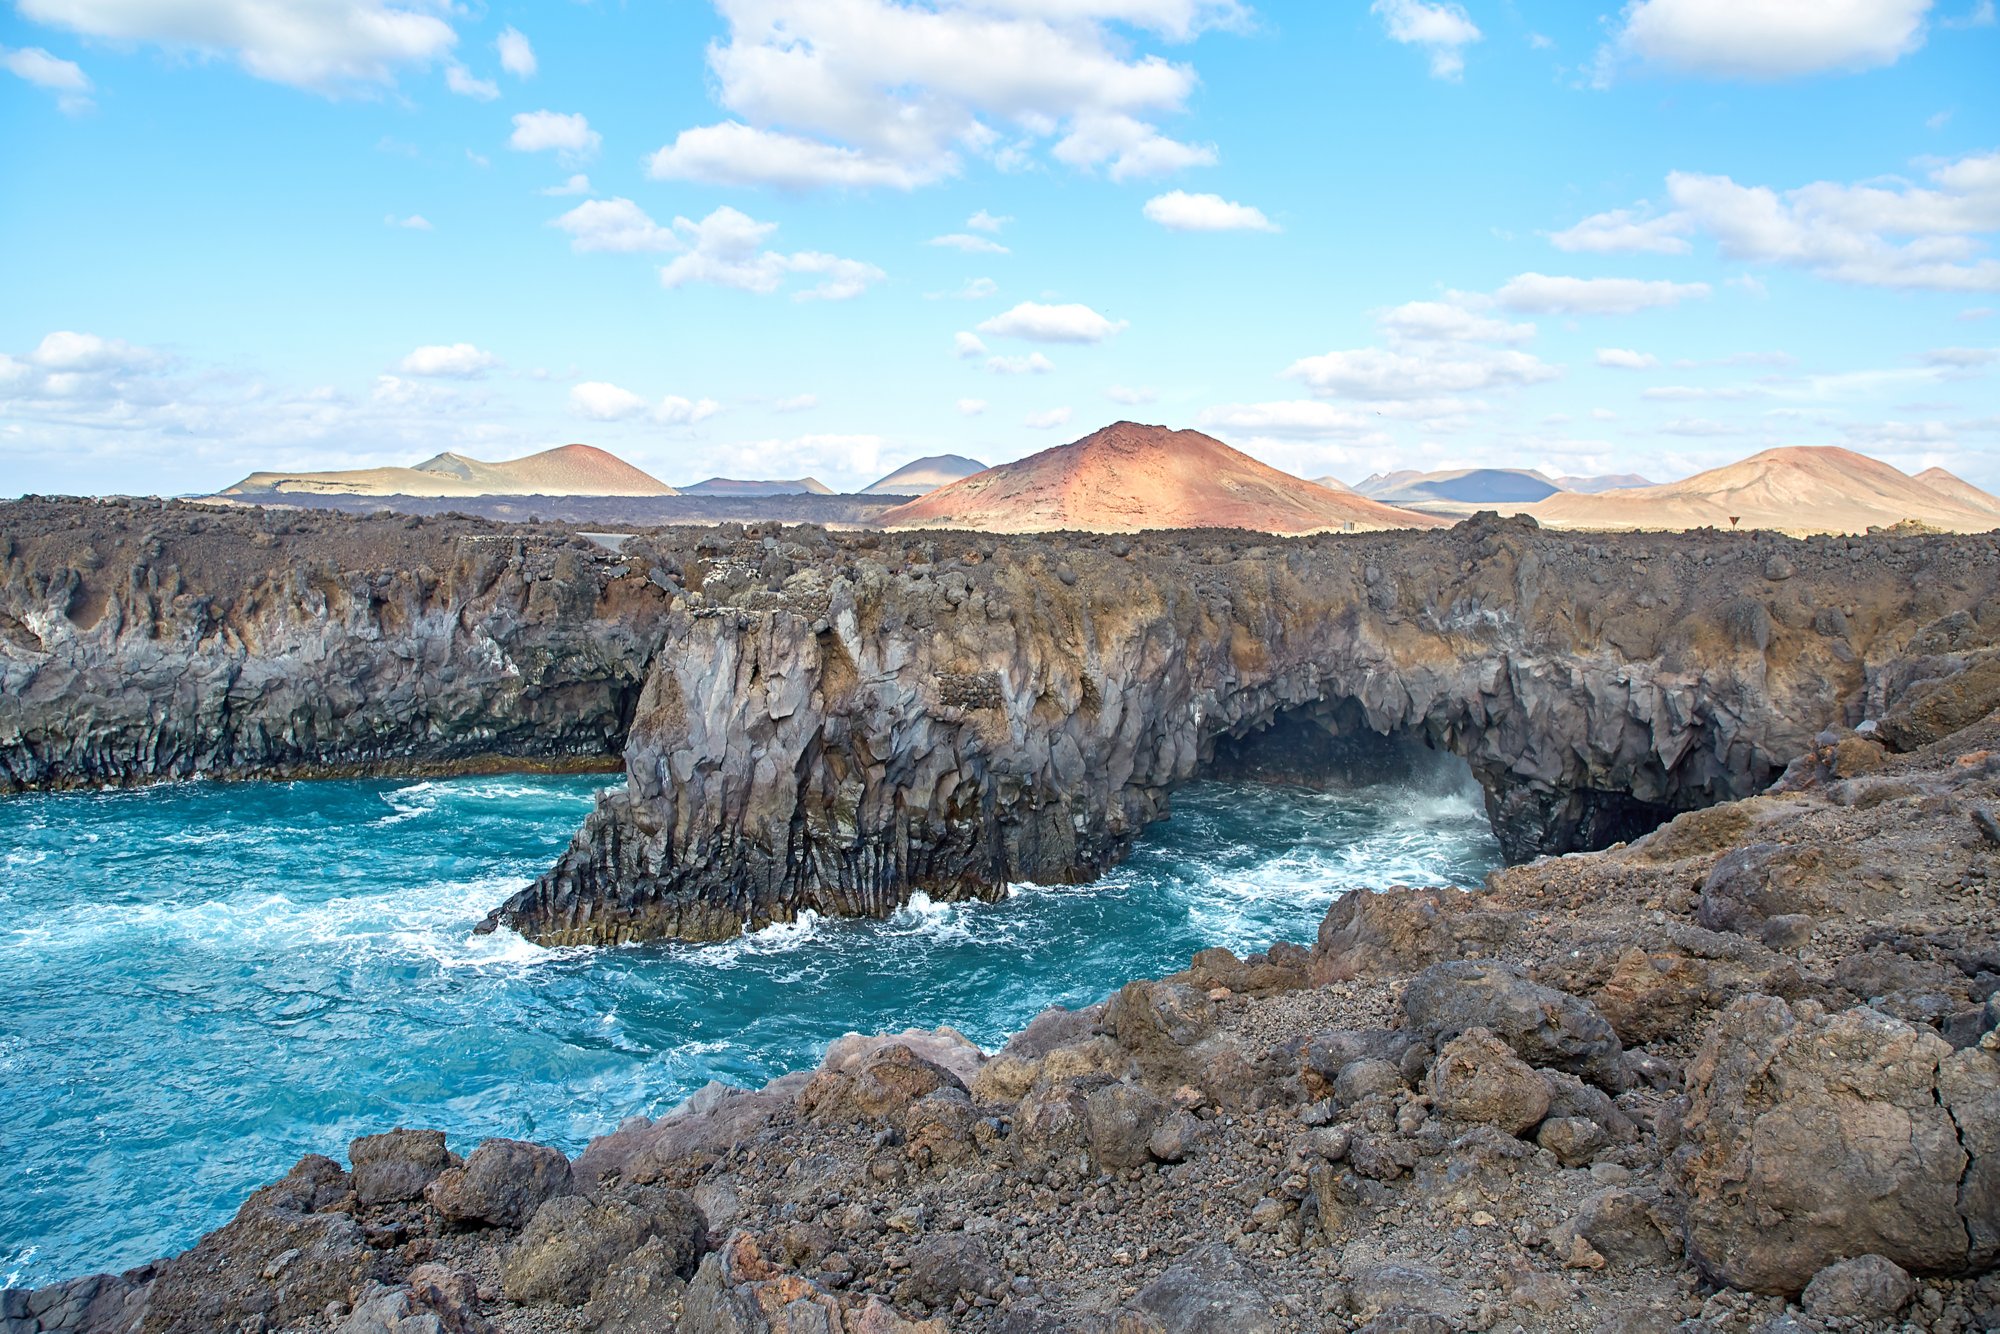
(777, 237)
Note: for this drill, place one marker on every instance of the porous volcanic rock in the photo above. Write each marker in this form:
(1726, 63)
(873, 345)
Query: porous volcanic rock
(150, 640)
(957, 712)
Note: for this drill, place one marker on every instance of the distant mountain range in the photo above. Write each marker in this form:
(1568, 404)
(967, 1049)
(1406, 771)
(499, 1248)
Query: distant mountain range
(1793, 489)
(1128, 477)
(922, 476)
(730, 486)
(1483, 486)
(568, 470)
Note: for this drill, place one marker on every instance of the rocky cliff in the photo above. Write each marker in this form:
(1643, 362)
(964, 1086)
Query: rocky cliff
(833, 721)
(142, 641)
(838, 722)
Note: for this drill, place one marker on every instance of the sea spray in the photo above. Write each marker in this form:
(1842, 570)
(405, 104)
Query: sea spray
(207, 981)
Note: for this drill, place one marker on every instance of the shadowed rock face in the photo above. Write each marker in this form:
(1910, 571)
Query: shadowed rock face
(958, 712)
(143, 641)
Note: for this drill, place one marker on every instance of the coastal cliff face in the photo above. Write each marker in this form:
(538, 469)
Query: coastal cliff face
(836, 723)
(142, 641)
(833, 721)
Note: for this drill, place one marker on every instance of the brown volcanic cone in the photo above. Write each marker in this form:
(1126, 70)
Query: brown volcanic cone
(1799, 489)
(1953, 487)
(1129, 477)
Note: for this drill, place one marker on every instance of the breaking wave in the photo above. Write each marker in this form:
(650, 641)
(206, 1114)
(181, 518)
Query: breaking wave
(208, 980)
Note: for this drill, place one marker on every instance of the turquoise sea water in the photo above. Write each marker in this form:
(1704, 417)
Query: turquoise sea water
(202, 982)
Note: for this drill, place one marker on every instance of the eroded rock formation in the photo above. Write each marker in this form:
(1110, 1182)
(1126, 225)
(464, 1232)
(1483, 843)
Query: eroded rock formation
(835, 720)
(142, 641)
(833, 727)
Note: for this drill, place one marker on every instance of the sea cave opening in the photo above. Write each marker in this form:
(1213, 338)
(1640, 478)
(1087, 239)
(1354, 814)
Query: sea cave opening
(1328, 746)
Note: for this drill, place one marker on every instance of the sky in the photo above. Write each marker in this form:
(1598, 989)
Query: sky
(773, 238)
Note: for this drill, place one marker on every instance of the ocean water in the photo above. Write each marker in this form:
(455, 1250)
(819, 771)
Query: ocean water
(201, 982)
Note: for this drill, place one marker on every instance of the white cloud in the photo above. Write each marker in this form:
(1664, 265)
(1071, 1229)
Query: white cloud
(1052, 324)
(1624, 359)
(415, 222)
(1981, 15)
(578, 184)
(618, 226)
(466, 84)
(64, 78)
(1450, 322)
(1843, 232)
(65, 351)
(1764, 39)
(796, 403)
(733, 153)
(975, 289)
(833, 458)
(326, 46)
(566, 133)
(971, 407)
(724, 248)
(1540, 293)
(1417, 374)
(676, 411)
(1625, 230)
(1688, 393)
(1047, 421)
(1132, 397)
(1971, 313)
(1884, 233)
(458, 361)
(517, 56)
(1444, 30)
(1032, 364)
(884, 93)
(1699, 427)
(982, 221)
(1183, 212)
(1961, 358)
(1294, 419)
(967, 344)
(1126, 147)
(598, 400)
(971, 245)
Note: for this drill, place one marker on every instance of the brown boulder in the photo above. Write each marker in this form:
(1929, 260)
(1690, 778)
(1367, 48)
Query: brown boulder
(880, 1087)
(1652, 996)
(398, 1164)
(1366, 934)
(1811, 1138)
(501, 1184)
(572, 1241)
(1478, 1078)
(1543, 1026)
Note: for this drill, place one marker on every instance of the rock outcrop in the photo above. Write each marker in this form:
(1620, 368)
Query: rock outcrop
(835, 720)
(834, 728)
(142, 641)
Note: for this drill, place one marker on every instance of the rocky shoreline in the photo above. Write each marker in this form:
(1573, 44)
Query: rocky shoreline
(1741, 1074)
(1736, 1072)
(838, 723)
